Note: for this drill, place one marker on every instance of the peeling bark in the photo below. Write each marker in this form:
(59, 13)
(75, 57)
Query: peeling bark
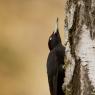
(80, 49)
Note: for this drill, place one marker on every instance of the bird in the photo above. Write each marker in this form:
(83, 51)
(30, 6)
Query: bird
(55, 63)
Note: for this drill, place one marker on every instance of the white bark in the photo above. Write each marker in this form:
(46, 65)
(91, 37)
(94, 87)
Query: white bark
(80, 49)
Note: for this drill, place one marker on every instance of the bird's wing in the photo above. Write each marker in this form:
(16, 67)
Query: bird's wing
(52, 66)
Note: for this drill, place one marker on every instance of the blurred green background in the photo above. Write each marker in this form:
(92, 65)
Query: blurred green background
(25, 26)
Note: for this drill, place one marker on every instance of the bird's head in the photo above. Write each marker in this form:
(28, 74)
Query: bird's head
(54, 40)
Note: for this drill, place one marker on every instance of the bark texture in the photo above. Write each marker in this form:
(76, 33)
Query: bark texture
(80, 47)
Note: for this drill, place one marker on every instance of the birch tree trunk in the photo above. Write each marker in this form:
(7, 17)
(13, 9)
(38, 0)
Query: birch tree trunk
(80, 48)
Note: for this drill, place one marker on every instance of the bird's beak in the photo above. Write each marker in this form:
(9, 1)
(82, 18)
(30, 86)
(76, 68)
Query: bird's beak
(56, 26)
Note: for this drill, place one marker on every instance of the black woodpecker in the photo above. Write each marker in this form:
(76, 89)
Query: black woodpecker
(55, 62)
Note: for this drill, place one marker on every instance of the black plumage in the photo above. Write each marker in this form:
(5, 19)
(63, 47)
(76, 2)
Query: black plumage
(55, 61)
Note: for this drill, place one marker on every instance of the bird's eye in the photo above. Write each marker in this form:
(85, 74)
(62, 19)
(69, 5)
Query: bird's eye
(50, 38)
